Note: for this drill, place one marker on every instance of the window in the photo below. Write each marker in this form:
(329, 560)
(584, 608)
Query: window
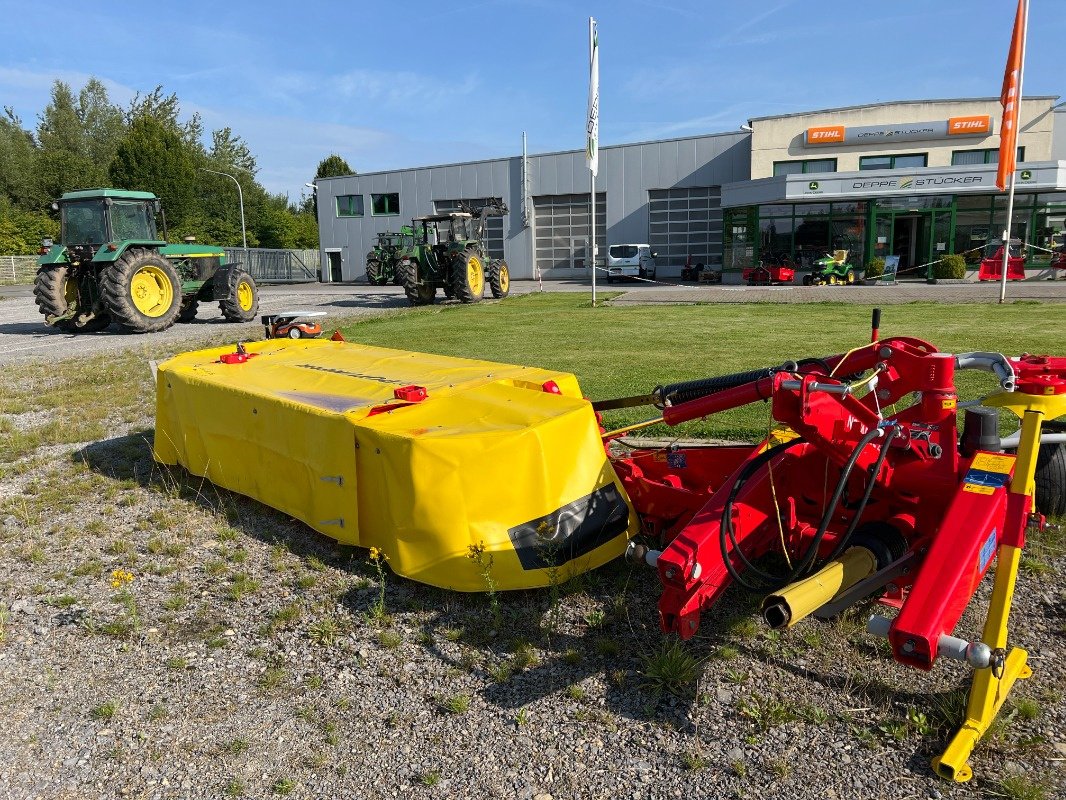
(349, 205)
(908, 161)
(990, 156)
(385, 205)
(808, 165)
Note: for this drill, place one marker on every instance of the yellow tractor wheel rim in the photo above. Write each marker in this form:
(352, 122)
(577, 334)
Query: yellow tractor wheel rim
(245, 296)
(475, 275)
(505, 278)
(70, 291)
(151, 291)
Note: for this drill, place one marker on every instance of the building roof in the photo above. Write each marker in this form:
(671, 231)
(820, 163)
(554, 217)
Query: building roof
(533, 155)
(897, 103)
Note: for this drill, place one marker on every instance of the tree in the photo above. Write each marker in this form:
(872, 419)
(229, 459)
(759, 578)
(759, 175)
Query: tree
(18, 156)
(332, 166)
(153, 158)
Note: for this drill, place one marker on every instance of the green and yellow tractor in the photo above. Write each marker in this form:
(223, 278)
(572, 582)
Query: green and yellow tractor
(449, 253)
(382, 261)
(111, 266)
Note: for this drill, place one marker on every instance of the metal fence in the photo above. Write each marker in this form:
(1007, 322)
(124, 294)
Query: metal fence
(17, 270)
(277, 266)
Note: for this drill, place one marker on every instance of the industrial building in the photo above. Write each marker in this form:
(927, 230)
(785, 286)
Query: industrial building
(915, 179)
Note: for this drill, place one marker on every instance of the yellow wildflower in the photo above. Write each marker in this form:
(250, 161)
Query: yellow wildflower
(120, 578)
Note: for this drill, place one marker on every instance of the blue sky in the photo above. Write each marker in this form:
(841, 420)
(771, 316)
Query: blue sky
(410, 83)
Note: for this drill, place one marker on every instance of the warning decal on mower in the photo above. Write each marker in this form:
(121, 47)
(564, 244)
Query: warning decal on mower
(572, 530)
(988, 472)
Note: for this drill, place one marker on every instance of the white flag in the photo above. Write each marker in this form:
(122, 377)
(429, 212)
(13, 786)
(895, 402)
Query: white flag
(592, 129)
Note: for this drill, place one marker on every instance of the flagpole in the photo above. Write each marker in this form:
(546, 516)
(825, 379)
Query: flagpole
(591, 252)
(1014, 172)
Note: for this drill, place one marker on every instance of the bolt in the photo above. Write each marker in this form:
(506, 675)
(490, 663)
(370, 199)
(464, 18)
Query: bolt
(670, 573)
(909, 646)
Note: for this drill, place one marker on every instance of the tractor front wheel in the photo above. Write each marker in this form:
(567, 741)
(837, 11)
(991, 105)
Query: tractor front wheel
(188, 311)
(468, 277)
(417, 293)
(499, 278)
(142, 291)
(373, 271)
(242, 302)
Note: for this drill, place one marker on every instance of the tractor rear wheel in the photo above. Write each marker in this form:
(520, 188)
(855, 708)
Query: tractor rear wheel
(499, 278)
(468, 277)
(188, 310)
(242, 302)
(849, 278)
(142, 291)
(1050, 478)
(373, 271)
(417, 293)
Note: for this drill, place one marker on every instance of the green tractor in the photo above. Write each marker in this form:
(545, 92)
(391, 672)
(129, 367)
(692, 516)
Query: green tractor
(449, 253)
(381, 262)
(833, 270)
(111, 266)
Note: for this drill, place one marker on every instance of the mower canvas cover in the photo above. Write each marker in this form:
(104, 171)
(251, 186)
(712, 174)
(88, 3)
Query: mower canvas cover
(421, 456)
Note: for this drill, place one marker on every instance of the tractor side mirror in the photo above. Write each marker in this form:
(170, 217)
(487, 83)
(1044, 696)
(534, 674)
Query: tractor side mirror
(654, 254)
(46, 242)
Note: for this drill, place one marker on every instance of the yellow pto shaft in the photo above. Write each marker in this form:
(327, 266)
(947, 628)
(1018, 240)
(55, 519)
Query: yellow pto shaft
(802, 598)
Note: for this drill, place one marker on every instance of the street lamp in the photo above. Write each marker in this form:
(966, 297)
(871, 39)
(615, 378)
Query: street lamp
(240, 194)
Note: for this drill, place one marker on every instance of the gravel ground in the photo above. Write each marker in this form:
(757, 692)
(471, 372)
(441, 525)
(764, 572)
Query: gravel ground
(241, 654)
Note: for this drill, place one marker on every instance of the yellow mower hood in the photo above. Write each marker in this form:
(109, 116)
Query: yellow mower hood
(489, 458)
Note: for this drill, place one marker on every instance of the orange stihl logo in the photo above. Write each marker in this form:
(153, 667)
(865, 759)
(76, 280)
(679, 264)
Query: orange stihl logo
(825, 135)
(961, 125)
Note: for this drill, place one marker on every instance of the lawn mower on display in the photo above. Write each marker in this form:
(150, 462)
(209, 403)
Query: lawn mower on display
(991, 268)
(774, 271)
(292, 325)
(866, 489)
(833, 270)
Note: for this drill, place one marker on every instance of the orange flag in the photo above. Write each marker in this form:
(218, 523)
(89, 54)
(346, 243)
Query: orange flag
(1010, 98)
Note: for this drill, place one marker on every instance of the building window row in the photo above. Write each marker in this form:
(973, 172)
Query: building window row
(805, 166)
(381, 205)
(986, 156)
(903, 161)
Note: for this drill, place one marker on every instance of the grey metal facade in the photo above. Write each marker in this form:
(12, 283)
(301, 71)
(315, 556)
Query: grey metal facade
(630, 176)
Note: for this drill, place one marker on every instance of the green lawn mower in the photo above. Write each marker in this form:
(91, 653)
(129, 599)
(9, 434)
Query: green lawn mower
(833, 270)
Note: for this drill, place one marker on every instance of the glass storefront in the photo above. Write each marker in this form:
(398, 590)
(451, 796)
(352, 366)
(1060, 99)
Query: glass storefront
(918, 229)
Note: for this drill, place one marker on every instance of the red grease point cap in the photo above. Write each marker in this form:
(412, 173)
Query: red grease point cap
(337, 337)
(551, 387)
(411, 394)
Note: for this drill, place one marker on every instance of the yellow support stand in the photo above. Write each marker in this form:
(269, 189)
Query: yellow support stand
(991, 686)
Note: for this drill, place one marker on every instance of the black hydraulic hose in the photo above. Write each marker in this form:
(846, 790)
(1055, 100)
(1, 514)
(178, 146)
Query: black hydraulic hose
(675, 393)
(804, 565)
(726, 526)
(893, 432)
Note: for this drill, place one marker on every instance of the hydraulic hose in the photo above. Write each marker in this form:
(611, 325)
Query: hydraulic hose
(726, 532)
(841, 545)
(803, 568)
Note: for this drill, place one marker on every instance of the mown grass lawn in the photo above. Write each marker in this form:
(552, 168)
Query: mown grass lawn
(627, 350)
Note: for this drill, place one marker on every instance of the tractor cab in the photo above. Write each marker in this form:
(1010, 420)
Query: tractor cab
(94, 217)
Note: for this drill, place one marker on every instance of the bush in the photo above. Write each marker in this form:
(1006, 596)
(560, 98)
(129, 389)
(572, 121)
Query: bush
(952, 267)
(876, 268)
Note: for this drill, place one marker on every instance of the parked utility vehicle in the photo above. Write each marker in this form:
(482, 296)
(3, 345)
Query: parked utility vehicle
(630, 261)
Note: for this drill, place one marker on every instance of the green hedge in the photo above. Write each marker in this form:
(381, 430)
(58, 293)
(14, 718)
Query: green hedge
(950, 267)
(876, 268)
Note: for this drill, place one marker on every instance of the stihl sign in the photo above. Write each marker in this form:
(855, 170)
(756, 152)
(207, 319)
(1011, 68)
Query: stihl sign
(979, 125)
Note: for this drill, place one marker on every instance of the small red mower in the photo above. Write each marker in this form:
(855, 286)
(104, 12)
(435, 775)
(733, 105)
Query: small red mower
(292, 325)
(777, 271)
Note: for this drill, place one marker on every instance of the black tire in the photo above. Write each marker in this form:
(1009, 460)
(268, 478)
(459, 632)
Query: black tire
(156, 284)
(397, 279)
(54, 291)
(1050, 479)
(808, 280)
(188, 310)
(417, 293)
(242, 302)
(373, 271)
(849, 277)
(468, 276)
(294, 333)
(499, 278)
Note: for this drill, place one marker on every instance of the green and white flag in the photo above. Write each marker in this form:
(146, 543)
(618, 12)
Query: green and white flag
(592, 129)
